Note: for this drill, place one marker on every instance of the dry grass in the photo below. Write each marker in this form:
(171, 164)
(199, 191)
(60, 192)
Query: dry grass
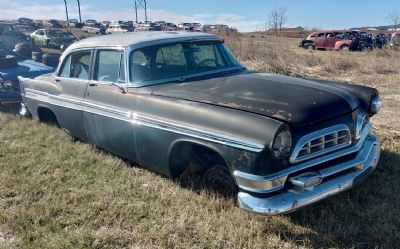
(59, 193)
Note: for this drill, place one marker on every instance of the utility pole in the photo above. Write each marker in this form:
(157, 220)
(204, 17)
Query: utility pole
(145, 10)
(141, 4)
(66, 9)
(79, 9)
(136, 12)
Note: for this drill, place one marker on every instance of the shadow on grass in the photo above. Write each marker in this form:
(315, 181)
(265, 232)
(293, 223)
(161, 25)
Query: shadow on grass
(367, 216)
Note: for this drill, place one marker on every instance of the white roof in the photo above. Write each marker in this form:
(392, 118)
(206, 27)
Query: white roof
(140, 39)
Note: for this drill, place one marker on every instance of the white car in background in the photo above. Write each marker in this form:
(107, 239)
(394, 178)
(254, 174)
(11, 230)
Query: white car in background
(117, 28)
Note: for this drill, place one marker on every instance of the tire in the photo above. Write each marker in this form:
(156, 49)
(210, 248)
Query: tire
(309, 46)
(37, 56)
(345, 48)
(23, 49)
(219, 179)
(8, 61)
(48, 44)
(50, 60)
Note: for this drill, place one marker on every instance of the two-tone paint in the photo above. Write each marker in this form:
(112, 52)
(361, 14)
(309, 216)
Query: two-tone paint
(235, 115)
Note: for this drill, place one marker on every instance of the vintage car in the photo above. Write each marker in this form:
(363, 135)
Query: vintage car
(93, 28)
(332, 40)
(116, 28)
(52, 38)
(180, 103)
(13, 65)
(74, 23)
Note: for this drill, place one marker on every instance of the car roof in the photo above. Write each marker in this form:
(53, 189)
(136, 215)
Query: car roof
(140, 38)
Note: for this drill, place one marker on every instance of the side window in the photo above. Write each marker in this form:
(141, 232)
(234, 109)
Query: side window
(76, 66)
(321, 35)
(171, 55)
(110, 66)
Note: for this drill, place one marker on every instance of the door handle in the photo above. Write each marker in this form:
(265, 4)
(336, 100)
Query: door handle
(92, 84)
(57, 80)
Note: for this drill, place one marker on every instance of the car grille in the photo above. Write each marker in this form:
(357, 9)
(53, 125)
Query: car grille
(321, 142)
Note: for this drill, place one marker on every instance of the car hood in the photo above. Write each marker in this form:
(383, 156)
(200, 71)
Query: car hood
(292, 100)
(27, 69)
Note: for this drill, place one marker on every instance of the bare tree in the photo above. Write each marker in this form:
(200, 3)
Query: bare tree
(394, 17)
(278, 17)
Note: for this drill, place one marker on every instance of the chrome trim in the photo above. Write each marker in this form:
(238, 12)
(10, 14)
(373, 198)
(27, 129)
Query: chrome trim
(141, 119)
(360, 122)
(292, 199)
(294, 158)
(276, 181)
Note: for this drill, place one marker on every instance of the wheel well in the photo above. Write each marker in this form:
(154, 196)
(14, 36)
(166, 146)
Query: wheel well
(46, 115)
(190, 158)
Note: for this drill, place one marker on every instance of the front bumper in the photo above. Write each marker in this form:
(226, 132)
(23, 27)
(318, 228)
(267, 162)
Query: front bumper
(335, 179)
(10, 97)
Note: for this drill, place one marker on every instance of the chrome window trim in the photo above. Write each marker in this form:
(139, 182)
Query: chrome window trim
(141, 119)
(314, 135)
(279, 176)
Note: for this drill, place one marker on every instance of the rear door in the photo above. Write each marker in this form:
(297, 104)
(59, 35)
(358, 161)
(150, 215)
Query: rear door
(330, 40)
(108, 112)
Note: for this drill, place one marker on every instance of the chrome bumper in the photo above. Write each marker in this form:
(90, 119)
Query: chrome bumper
(339, 178)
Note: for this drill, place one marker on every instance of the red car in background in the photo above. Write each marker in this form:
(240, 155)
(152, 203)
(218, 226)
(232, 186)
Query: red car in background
(331, 40)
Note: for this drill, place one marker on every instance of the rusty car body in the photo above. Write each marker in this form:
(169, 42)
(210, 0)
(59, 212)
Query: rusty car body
(332, 40)
(170, 100)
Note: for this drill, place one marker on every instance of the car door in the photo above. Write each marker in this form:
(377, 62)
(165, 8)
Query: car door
(320, 41)
(108, 112)
(72, 80)
(330, 40)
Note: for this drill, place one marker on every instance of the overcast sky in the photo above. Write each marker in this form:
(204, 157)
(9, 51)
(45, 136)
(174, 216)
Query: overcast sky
(244, 15)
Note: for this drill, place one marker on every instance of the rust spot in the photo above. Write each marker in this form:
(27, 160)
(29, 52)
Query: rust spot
(231, 105)
(206, 101)
(282, 115)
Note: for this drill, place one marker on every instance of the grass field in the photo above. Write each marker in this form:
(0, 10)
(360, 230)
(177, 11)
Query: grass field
(59, 193)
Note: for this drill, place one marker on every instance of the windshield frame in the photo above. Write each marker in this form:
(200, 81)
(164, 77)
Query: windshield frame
(133, 83)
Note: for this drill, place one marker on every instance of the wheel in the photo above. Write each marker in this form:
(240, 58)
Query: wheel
(48, 44)
(345, 48)
(309, 46)
(219, 179)
(23, 49)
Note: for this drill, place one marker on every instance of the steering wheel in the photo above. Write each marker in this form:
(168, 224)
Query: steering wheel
(207, 60)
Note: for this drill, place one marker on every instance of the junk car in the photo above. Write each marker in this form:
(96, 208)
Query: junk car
(52, 38)
(180, 103)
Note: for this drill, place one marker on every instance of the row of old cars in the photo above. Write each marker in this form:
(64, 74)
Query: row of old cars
(345, 40)
(180, 103)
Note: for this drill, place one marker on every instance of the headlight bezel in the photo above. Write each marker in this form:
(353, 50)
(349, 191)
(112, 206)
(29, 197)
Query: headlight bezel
(375, 105)
(281, 147)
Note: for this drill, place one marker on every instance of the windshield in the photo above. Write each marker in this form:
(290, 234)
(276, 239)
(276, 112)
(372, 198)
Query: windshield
(180, 60)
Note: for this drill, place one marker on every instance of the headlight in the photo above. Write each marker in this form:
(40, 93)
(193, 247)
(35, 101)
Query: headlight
(282, 144)
(7, 84)
(376, 105)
